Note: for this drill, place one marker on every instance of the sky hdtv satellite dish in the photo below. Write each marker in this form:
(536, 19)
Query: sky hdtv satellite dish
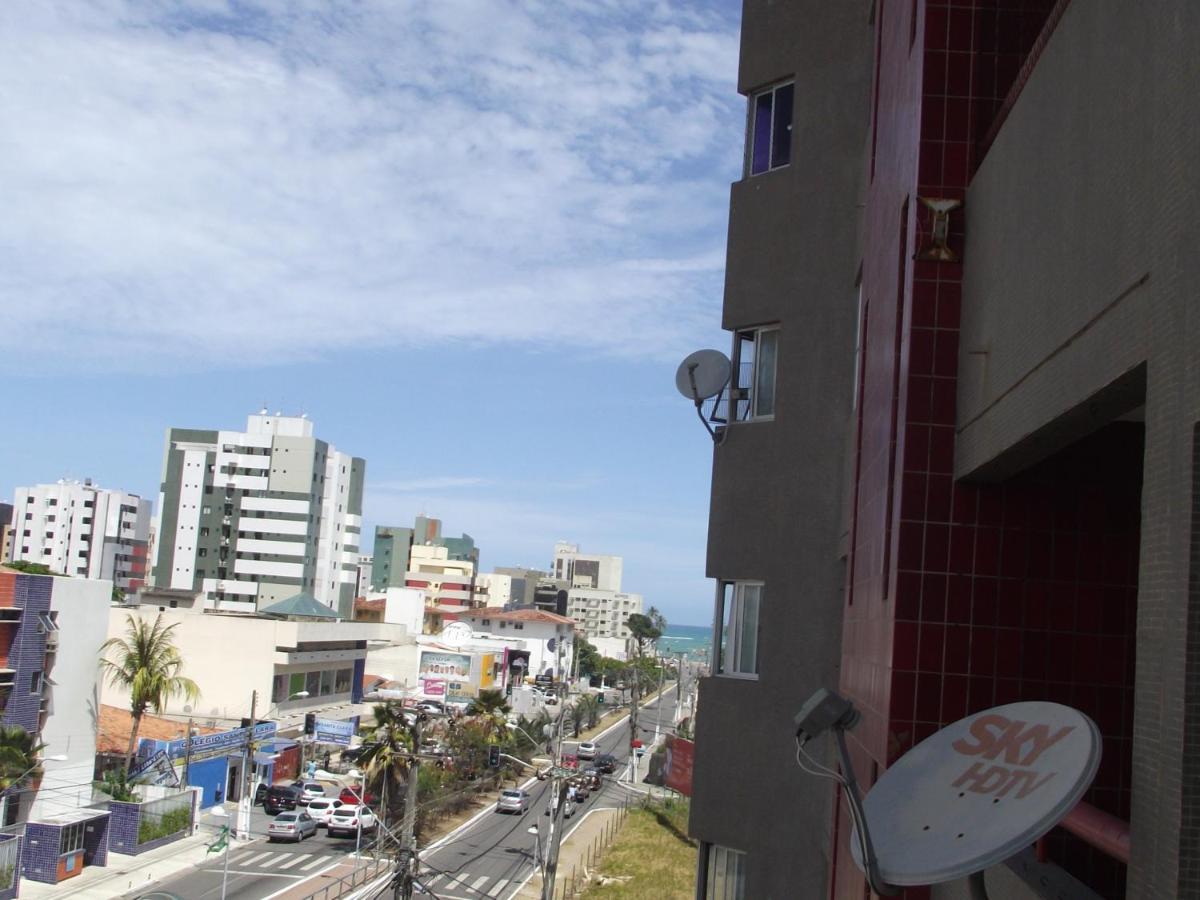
(978, 792)
(702, 375)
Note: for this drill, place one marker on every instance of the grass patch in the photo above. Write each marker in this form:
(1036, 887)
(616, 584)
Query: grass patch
(652, 857)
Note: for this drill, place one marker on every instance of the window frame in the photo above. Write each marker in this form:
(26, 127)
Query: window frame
(719, 856)
(743, 397)
(751, 128)
(729, 646)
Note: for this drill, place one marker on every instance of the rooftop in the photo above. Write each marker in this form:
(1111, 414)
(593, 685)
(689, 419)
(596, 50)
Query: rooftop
(115, 723)
(304, 606)
(519, 615)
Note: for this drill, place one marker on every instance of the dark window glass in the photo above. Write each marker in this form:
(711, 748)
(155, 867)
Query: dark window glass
(781, 133)
(761, 159)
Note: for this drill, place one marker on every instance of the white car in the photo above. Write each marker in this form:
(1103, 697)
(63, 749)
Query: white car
(311, 791)
(587, 750)
(322, 808)
(348, 819)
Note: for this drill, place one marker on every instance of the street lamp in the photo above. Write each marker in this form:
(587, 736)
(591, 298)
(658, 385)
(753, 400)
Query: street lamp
(219, 813)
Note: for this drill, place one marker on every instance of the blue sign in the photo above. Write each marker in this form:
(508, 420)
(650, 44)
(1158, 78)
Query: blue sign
(208, 744)
(333, 731)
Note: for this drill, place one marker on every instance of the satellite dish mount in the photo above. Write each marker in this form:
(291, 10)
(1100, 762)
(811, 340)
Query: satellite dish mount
(702, 375)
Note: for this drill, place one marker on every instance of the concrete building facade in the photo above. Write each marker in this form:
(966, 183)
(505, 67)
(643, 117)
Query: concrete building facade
(79, 529)
(585, 570)
(1012, 326)
(253, 517)
(602, 614)
(6, 532)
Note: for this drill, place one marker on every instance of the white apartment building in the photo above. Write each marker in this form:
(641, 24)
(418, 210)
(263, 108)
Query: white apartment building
(250, 518)
(585, 570)
(602, 614)
(82, 530)
(492, 589)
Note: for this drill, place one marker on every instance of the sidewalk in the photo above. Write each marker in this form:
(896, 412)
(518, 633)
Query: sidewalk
(125, 874)
(578, 852)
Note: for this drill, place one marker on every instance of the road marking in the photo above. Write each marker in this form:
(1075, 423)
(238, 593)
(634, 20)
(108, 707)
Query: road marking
(316, 862)
(292, 862)
(274, 861)
(498, 887)
(478, 883)
(257, 857)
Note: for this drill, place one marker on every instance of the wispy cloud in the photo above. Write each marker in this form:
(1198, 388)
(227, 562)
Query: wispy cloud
(203, 184)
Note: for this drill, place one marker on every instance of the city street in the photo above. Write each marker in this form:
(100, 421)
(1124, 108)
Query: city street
(491, 857)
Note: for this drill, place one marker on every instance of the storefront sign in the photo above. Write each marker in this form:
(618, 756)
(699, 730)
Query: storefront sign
(445, 665)
(333, 731)
(206, 745)
(677, 772)
(433, 687)
(156, 770)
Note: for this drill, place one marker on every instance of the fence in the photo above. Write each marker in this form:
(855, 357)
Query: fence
(580, 876)
(360, 876)
(165, 817)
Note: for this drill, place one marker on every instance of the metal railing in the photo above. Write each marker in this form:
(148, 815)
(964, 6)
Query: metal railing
(356, 879)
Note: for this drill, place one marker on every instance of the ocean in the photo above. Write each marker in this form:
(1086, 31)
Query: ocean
(694, 640)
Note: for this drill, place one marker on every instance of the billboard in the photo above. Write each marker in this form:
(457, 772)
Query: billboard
(433, 687)
(333, 731)
(487, 671)
(439, 664)
(158, 769)
(677, 773)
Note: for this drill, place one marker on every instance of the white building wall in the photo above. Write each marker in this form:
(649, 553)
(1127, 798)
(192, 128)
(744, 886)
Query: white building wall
(602, 613)
(72, 692)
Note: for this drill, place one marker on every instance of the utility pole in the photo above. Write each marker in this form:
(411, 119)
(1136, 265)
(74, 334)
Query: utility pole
(245, 801)
(408, 828)
(187, 755)
(554, 839)
(662, 672)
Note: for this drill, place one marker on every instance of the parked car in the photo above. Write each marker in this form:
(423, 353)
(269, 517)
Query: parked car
(513, 801)
(311, 790)
(282, 797)
(291, 826)
(353, 754)
(605, 762)
(568, 809)
(350, 796)
(431, 706)
(348, 819)
(322, 808)
(260, 793)
(587, 750)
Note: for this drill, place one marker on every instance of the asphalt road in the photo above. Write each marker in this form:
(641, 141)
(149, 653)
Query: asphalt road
(491, 858)
(495, 856)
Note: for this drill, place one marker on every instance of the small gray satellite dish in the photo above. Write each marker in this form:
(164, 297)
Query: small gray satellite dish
(702, 375)
(978, 791)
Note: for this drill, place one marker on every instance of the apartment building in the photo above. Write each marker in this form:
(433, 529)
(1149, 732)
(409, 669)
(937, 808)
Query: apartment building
(445, 581)
(393, 549)
(977, 435)
(250, 518)
(585, 570)
(79, 529)
(6, 532)
(602, 614)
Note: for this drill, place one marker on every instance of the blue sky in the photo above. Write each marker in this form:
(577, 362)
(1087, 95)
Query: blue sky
(470, 239)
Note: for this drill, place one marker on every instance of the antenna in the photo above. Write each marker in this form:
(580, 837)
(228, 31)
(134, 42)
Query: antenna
(966, 798)
(701, 375)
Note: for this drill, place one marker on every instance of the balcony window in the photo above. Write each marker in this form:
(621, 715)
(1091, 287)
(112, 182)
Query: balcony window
(724, 873)
(755, 353)
(770, 137)
(737, 614)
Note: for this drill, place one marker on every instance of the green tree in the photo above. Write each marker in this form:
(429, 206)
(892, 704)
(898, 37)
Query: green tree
(488, 703)
(31, 568)
(587, 659)
(386, 761)
(116, 785)
(590, 705)
(578, 715)
(148, 665)
(18, 762)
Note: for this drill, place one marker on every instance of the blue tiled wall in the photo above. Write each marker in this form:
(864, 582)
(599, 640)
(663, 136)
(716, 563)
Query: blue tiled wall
(28, 653)
(39, 856)
(95, 841)
(123, 827)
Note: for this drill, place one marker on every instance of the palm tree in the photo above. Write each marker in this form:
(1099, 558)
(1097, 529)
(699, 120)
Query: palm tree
(389, 748)
(18, 761)
(147, 665)
(578, 715)
(490, 706)
(591, 708)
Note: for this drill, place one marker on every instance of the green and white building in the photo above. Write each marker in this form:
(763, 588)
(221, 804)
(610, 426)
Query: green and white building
(250, 518)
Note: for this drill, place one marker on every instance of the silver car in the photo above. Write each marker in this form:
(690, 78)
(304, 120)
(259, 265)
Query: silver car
(291, 826)
(514, 801)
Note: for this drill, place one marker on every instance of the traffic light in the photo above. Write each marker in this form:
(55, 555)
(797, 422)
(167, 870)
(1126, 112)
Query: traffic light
(310, 723)
(494, 756)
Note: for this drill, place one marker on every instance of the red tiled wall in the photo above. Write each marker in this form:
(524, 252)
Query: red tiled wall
(987, 595)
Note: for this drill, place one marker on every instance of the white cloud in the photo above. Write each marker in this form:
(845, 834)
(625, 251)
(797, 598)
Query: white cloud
(205, 184)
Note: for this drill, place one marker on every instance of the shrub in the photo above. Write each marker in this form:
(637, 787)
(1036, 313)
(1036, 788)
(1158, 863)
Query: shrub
(171, 822)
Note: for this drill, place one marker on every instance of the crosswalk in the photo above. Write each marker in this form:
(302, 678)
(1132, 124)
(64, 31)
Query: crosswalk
(464, 886)
(281, 861)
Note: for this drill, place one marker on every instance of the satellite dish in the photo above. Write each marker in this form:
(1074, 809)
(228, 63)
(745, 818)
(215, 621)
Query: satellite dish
(702, 375)
(979, 791)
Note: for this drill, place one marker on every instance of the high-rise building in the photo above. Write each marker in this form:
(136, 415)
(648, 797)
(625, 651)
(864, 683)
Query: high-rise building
(250, 518)
(602, 613)
(393, 550)
(585, 570)
(958, 466)
(524, 583)
(6, 532)
(76, 528)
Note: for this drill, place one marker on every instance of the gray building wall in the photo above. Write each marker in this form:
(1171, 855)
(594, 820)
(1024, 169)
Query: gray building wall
(792, 260)
(1079, 300)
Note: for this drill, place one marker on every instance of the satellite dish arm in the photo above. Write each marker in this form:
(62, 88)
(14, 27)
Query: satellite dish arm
(871, 864)
(691, 370)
